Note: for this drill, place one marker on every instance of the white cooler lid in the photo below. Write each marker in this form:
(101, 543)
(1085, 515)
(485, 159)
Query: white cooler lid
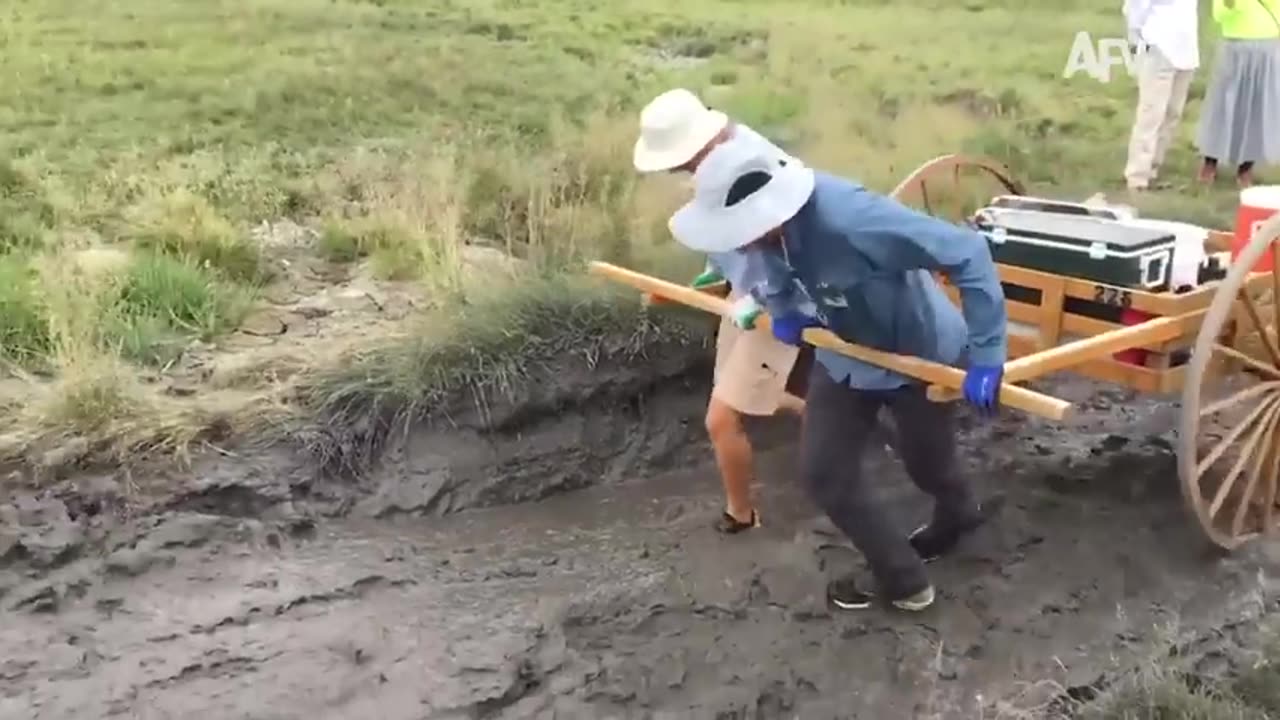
(1266, 197)
(1188, 252)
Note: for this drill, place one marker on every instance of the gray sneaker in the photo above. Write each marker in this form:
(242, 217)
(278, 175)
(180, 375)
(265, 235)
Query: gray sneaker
(845, 594)
(915, 603)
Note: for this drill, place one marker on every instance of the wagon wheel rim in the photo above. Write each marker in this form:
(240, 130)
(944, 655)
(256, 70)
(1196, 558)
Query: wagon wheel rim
(1230, 482)
(931, 181)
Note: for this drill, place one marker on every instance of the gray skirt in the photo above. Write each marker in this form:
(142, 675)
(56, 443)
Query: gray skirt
(1240, 119)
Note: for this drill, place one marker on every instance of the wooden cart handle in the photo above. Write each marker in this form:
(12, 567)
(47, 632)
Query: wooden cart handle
(1045, 406)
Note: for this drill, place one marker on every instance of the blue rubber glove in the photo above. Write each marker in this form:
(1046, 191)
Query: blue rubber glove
(790, 328)
(982, 387)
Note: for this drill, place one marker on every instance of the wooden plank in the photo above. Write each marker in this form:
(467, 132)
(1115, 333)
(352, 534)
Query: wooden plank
(1136, 377)
(1171, 379)
(934, 373)
(1051, 301)
(1166, 303)
(930, 372)
(1072, 323)
(1087, 350)
(1104, 369)
(1015, 275)
(720, 290)
(1154, 303)
(1218, 241)
(1090, 348)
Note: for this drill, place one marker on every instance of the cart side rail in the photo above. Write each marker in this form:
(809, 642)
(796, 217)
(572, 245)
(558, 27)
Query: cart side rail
(935, 374)
(1084, 350)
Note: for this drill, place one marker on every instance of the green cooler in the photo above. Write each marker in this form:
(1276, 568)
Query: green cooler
(1090, 248)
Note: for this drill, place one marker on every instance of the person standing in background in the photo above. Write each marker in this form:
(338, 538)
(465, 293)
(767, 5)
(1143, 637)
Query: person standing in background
(1165, 35)
(1240, 123)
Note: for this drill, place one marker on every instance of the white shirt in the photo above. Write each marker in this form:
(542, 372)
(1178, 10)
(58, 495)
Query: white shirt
(1170, 26)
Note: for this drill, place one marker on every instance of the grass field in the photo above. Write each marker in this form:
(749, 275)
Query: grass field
(459, 154)
(468, 155)
(147, 142)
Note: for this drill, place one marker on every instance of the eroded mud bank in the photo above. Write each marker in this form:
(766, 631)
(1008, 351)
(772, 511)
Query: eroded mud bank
(255, 589)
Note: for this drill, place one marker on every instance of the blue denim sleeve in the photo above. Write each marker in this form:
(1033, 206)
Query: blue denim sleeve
(899, 238)
(779, 294)
(712, 265)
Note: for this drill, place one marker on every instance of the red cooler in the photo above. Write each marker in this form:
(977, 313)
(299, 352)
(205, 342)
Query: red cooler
(1133, 356)
(1257, 204)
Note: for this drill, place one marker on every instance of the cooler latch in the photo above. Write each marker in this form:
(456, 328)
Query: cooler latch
(1098, 251)
(1153, 269)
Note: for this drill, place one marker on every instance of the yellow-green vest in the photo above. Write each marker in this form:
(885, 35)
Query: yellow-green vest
(1249, 19)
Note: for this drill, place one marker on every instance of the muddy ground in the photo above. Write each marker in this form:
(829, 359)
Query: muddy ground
(565, 567)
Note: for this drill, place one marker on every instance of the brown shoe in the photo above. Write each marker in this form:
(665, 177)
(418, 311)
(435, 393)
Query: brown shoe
(730, 525)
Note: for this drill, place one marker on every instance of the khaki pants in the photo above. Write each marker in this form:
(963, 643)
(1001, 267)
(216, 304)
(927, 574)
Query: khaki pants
(752, 369)
(1162, 95)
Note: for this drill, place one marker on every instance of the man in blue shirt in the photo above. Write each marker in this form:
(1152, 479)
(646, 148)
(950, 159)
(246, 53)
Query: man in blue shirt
(824, 251)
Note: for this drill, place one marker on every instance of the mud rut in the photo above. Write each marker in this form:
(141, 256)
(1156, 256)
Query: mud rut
(258, 591)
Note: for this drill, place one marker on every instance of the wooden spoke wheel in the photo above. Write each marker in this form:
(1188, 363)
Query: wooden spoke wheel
(953, 187)
(1229, 435)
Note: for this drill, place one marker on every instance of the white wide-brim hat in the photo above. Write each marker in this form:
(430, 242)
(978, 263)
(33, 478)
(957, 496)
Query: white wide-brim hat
(674, 127)
(707, 223)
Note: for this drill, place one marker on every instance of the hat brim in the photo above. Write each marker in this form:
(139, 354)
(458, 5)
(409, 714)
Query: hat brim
(721, 229)
(649, 159)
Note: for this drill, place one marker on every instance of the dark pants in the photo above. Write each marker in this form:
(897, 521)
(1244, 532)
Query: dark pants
(798, 380)
(839, 421)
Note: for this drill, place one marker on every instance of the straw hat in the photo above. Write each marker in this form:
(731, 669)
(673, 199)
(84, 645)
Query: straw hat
(741, 192)
(673, 127)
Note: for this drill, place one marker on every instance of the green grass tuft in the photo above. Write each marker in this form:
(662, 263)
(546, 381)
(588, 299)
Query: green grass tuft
(339, 243)
(26, 216)
(186, 226)
(1162, 689)
(164, 302)
(24, 330)
(1159, 694)
(486, 350)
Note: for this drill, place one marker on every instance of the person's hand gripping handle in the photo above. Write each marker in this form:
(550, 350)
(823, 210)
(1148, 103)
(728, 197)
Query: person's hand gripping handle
(982, 387)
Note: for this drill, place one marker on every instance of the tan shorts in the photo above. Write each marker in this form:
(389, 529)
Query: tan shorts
(752, 368)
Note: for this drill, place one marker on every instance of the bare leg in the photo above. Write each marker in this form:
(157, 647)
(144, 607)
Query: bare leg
(1208, 170)
(1244, 174)
(734, 457)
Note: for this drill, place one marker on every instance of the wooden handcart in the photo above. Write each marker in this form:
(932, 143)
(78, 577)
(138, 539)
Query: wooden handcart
(1217, 345)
